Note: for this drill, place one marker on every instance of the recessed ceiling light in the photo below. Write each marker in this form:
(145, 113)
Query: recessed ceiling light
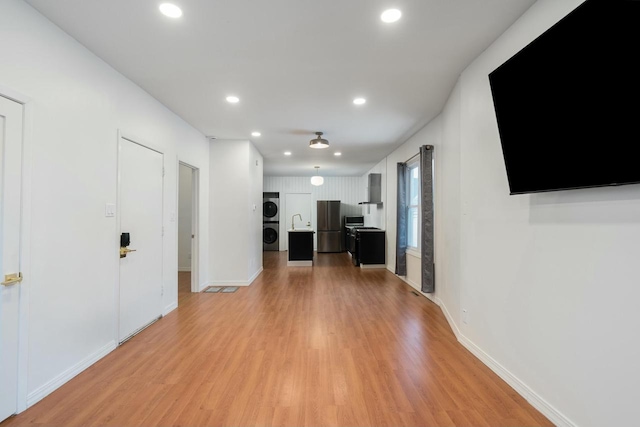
(337, 153)
(233, 99)
(255, 134)
(359, 101)
(390, 15)
(170, 10)
(287, 153)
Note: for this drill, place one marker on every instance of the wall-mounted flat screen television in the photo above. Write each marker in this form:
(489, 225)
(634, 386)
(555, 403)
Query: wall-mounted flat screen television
(568, 104)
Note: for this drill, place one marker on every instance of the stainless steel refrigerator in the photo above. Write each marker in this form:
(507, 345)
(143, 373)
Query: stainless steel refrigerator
(329, 230)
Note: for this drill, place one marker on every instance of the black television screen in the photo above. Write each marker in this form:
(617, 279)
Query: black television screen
(568, 104)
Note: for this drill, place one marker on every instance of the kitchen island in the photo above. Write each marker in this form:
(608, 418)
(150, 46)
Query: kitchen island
(300, 247)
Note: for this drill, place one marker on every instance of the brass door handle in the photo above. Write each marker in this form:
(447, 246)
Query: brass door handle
(125, 251)
(12, 279)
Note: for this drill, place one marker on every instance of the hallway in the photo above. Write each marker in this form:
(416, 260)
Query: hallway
(328, 345)
(184, 286)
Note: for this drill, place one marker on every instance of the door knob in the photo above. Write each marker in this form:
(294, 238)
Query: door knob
(12, 279)
(125, 251)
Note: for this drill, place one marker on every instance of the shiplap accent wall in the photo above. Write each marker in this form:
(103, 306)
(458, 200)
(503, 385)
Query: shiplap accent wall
(348, 189)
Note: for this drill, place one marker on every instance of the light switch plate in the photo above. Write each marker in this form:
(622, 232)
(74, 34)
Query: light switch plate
(109, 210)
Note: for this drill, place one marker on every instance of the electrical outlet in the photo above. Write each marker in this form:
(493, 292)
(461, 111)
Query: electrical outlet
(465, 316)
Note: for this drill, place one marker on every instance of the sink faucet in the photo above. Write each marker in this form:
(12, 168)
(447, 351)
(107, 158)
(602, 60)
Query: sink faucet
(292, 227)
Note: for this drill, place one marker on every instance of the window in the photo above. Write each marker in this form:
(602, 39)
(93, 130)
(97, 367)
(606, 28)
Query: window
(413, 205)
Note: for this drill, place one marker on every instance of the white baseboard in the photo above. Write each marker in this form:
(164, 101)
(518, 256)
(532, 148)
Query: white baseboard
(452, 324)
(234, 282)
(255, 276)
(49, 387)
(415, 286)
(203, 286)
(168, 309)
(549, 411)
(518, 385)
(299, 263)
(524, 390)
(365, 266)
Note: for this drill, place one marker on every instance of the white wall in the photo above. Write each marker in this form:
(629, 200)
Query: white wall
(256, 183)
(235, 212)
(549, 280)
(78, 105)
(184, 218)
(347, 189)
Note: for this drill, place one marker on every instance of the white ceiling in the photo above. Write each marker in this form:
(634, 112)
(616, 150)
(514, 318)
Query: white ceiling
(296, 66)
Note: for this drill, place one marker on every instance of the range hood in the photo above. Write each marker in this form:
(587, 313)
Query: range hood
(374, 190)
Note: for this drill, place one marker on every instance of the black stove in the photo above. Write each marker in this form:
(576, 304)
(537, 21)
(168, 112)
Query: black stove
(350, 224)
(352, 233)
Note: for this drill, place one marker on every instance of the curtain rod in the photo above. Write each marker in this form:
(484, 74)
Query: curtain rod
(412, 157)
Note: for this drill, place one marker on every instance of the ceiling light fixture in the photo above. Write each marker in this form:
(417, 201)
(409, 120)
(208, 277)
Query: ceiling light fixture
(317, 179)
(359, 101)
(390, 15)
(287, 153)
(255, 134)
(318, 142)
(337, 153)
(170, 10)
(233, 99)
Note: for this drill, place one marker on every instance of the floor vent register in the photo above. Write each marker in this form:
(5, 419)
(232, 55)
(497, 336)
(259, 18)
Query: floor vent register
(221, 289)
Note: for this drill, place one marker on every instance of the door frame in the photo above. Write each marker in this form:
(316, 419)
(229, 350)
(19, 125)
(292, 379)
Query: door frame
(25, 241)
(195, 221)
(116, 250)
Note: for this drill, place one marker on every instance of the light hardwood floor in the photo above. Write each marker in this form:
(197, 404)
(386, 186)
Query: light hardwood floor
(331, 345)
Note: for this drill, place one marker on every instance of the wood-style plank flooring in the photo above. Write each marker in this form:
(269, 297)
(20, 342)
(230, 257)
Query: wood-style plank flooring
(331, 345)
(184, 286)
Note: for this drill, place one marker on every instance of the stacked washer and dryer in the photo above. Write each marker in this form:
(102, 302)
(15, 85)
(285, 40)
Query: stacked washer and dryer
(270, 221)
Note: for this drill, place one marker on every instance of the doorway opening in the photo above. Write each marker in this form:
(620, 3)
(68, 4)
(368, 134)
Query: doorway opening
(298, 213)
(188, 203)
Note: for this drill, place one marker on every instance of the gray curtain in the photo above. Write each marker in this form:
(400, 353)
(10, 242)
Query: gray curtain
(426, 188)
(401, 229)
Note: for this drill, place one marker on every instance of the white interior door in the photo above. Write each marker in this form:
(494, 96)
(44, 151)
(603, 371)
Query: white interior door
(188, 222)
(141, 184)
(10, 208)
(296, 203)
(195, 254)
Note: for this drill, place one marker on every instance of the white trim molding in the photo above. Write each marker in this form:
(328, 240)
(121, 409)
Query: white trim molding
(523, 389)
(549, 411)
(299, 263)
(168, 309)
(373, 266)
(50, 386)
(233, 282)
